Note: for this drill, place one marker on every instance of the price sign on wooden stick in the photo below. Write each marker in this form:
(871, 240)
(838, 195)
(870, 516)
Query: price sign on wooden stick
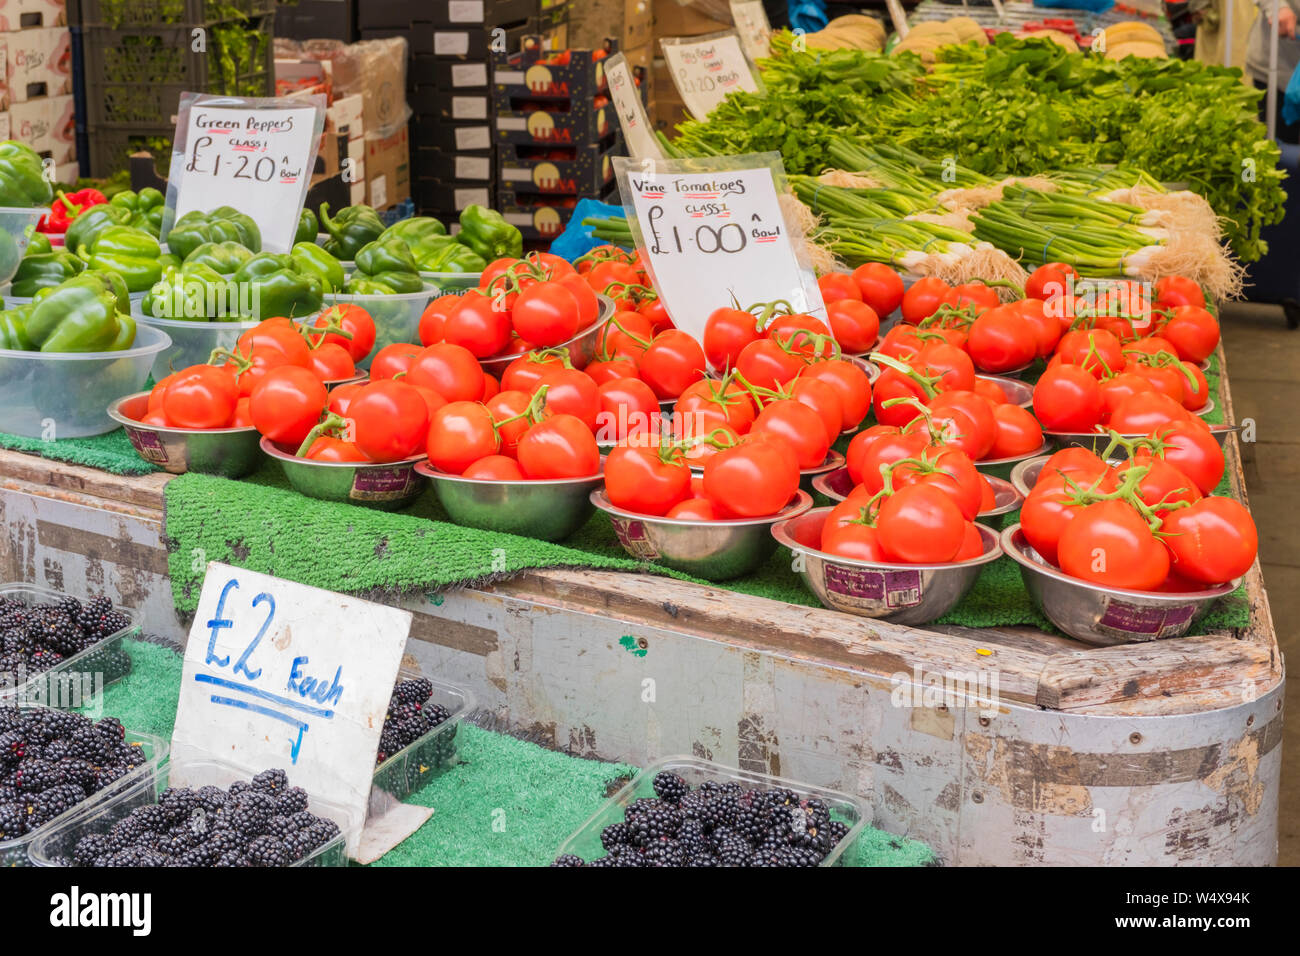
(706, 68)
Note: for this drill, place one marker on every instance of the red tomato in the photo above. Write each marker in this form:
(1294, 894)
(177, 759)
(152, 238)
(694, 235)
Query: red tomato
(852, 384)
(1196, 390)
(558, 447)
(880, 286)
(672, 362)
(1212, 542)
(1117, 388)
(628, 406)
(975, 294)
(201, 396)
(393, 359)
(331, 363)
(1047, 510)
(327, 448)
(547, 314)
(341, 396)
(752, 479)
(243, 417)
(1046, 329)
(434, 317)
(278, 335)
(766, 364)
(1001, 339)
(1193, 451)
(1067, 399)
(508, 405)
(708, 399)
(953, 365)
(887, 449)
(976, 427)
(571, 392)
(625, 335)
(1173, 291)
(490, 387)
(1050, 280)
(1193, 332)
(461, 433)
(287, 403)
(1145, 412)
(854, 324)
(1109, 543)
(391, 421)
(952, 472)
(1097, 351)
(159, 389)
(355, 322)
(858, 445)
(992, 392)
(837, 286)
(802, 334)
(800, 426)
(923, 299)
(646, 479)
(494, 468)
(1018, 432)
(920, 524)
(693, 509)
(478, 326)
(450, 370)
(1162, 485)
(824, 399)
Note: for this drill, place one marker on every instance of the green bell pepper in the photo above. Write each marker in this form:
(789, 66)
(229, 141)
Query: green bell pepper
(45, 271)
(275, 288)
(449, 256)
(92, 222)
(223, 224)
(351, 229)
(308, 227)
(38, 243)
(310, 259)
(82, 315)
(22, 177)
(416, 232)
(487, 233)
(13, 328)
(385, 266)
(194, 292)
(130, 252)
(224, 257)
(146, 208)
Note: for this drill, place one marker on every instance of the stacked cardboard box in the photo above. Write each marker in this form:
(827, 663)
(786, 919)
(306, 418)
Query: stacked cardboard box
(556, 135)
(36, 81)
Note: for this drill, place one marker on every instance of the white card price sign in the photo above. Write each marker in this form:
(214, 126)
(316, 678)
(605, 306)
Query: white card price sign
(711, 229)
(281, 675)
(706, 68)
(754, 28)
(637, 130)
(255, 155)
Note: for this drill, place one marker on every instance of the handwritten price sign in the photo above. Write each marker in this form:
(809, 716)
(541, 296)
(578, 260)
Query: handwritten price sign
(637, 131)
(278, 674)
(257, 159)
(706, 68)
(713, 229)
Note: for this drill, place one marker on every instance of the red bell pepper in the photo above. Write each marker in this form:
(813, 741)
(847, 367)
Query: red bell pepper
(67, 207)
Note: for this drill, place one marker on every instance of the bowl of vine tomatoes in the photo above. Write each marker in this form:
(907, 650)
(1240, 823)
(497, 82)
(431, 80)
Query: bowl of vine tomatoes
(581, 346)
(700, 542)
(887, 583)
(336, 475)
(494, 495)
(226, 446)
(396, 315)
(1000, 497)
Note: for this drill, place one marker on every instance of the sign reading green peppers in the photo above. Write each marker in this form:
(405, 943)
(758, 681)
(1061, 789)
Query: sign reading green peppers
(384, 267)
(87, 313)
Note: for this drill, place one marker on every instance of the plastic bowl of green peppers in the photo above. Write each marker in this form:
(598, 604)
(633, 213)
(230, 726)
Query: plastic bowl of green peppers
(16, 227)
(192, 343)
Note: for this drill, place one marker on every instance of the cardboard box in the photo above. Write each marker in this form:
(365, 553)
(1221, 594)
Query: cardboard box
(472, 168)
(48, 126)
(542, 217)
(434, 133)
(388, 169)
(673, 19)
(31, 14)
(302, 77)
(37, 63)
(577, 171)
(357, 190)
(667, 108)
(449, 73)
(631, 22)
(471, 43)
(346, 116)
(444, 198)
(461, 107)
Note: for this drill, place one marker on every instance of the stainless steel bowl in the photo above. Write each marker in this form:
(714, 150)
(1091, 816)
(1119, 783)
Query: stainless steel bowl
(1096, 442)
(550, 510)
(582, 347)
(386, 487)
(1016, 391)
(837, 485)
(1002, 467)
(902, 593)
(713, 550)
(228, 452)
(1104, 616)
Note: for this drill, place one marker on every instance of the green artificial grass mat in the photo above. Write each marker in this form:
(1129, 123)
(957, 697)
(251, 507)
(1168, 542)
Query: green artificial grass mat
(536, 797)
(112, 452)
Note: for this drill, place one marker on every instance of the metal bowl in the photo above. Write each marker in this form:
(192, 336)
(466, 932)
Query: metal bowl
(386, 487)
(871, 368)
(1016, 391)
(582, 347)
(837, 485)
(713, 550)
(1096, 442)
(1104, 616)
(228, 452)
(902, 593)
(550, 510)
(1002, 467)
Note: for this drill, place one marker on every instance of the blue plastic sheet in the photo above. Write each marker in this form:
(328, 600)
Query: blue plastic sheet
(808, 15)
(577, 240)
(1093, 6)
(1291, 102)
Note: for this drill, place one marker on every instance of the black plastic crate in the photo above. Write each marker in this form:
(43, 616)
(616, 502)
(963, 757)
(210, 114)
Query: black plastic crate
(134, 78)
(449, 73)
(111, 147)
(380, 14)
(154, 13)
(317, 19)
(434, 133)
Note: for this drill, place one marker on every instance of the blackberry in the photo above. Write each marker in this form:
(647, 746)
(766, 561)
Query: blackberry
(642, 805)
(400, 712)
(734, 850)
(271, 781)
(692, 837)
(602, 861)
(98, 619)
(210, 798)
(298, 844)
(280, 826)
(703, 859)
(112, 728)
(568, 859)
(267, 851)
(650, 826)
(434, 714)
(616, 834)
(56, 800)
(664, 852)
(670, 787)
(124, 834)
(55, 751)
(238, 787)
(88, 744)
(234, 858)
(302, 819)
(179, 803)
(292, 800)
(693, 803)
(150, 818)
(14, 662)
(836, 831)
(13, 820)
(108, 775)
(389, 744)
(321, 832)
(179, 842)
(719, 811)
(12, 746)
(35, 774)
(415, 691)
(249, 813)
(89, 849)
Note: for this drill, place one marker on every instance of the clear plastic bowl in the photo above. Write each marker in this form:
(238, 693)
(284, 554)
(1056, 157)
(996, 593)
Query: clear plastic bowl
(75, 681)
(425, 759)
(56, 845)
(191, 342)
(13, 301)
(397, 316)
(16, 227)
(445, 283)
(849, 810)
(17, 852)
(55, 395)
